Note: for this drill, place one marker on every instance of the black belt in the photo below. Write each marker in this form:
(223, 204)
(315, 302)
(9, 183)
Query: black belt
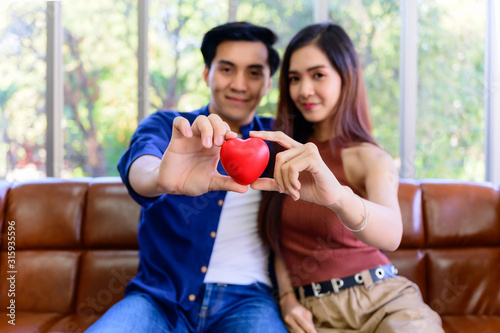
(336, 285)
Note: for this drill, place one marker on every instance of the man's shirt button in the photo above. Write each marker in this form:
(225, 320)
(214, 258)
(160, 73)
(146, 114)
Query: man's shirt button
(220, 202)
(192, 297)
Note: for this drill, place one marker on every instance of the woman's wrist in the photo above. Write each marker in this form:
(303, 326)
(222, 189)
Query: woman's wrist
(350, 202)
(287, 296)
(343, 201)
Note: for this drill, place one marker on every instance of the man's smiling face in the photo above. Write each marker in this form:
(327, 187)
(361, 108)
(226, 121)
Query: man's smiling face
(239, 77)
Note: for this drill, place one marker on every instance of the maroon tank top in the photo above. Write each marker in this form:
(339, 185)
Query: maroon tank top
(316, 246)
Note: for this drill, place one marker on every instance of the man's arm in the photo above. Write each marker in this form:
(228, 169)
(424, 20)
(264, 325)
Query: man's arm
(143, 176)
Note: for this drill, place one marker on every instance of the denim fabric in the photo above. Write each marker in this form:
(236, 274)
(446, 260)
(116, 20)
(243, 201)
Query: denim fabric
(222, 308)
(134, 313)
(239, 309)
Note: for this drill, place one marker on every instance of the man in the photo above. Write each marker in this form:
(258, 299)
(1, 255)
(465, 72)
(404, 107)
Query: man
(203, 267)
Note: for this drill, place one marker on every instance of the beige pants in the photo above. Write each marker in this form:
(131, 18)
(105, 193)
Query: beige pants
(391, 305)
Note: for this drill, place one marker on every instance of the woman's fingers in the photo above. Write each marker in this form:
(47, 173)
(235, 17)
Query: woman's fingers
(284, 176)
(306, 323)
(287, 183)
(265, 184)
(300, 320)
(295, 326)
(289, 165)
(279, 137)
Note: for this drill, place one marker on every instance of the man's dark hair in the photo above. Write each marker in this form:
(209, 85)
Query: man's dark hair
(240, 31)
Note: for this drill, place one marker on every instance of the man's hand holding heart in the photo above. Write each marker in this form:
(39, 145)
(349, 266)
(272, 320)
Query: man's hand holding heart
(189, 165)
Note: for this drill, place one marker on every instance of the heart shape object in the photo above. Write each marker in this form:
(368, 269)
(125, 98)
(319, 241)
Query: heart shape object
(244, 160)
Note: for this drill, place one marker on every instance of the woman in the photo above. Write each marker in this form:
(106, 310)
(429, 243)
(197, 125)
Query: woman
(333, 275)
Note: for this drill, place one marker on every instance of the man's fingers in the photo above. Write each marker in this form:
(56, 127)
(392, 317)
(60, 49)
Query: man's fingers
(182, 125)
(279, 137)
(226, 183)
(212, 130)
(230, 135)
(203, 128)
(220, 128)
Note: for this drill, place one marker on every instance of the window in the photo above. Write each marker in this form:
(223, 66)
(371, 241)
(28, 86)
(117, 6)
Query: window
(175, 61)
(375, 31)
(451, 123)
(23, 36)
(285, 18)
(100, 84)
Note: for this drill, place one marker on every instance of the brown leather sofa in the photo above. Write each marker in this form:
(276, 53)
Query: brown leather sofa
(76, 249)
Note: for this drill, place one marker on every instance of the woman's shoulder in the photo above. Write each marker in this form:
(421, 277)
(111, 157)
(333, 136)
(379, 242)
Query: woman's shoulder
(364, 159)
(365, 152)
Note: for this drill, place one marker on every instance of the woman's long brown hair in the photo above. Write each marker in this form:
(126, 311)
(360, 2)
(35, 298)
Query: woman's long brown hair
(351, 121)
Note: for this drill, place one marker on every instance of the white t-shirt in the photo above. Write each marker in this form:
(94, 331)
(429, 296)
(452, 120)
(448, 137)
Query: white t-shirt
(239, 255)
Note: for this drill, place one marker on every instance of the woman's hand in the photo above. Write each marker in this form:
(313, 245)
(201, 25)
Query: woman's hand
(296, 316)
(300, 172)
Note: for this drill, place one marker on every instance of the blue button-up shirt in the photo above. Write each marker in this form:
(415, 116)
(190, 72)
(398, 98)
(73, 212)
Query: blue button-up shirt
(175, 231)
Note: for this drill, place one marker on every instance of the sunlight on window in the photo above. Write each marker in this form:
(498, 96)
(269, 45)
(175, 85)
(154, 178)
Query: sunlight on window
(22, 90)
(451, 122)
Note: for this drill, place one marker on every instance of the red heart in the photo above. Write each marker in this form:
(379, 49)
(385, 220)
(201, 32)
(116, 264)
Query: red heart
(244, 160)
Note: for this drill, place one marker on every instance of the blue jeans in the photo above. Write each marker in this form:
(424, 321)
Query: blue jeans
(223, 308)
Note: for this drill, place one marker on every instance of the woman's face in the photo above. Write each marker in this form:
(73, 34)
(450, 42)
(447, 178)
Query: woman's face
(314, 84)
